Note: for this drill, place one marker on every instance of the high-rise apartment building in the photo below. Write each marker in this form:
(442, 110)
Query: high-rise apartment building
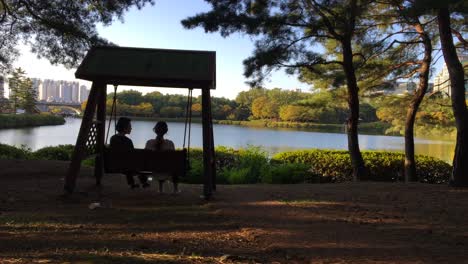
(37, 85)
(69, 91)
(442, 80)
(65, 91)
(84, 93)
(75, 92)
(51, 90)
(56, 90)
(60, 91)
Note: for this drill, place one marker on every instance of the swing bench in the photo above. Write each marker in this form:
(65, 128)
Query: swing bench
(108, 65)
(146, 161)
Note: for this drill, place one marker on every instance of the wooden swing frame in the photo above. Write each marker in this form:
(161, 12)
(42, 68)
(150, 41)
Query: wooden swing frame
(141, 67)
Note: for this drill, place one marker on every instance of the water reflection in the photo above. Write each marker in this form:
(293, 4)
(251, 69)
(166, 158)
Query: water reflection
(273, 140)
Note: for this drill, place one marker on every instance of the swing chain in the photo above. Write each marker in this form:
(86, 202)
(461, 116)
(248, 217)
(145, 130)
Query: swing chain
(188, 122)
(113, 113)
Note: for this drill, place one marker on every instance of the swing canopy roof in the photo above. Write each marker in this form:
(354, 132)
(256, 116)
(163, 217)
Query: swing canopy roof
(149, 67)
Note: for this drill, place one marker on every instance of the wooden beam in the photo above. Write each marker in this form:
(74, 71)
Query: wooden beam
(80, 146)
(101, 131)
(207, 154)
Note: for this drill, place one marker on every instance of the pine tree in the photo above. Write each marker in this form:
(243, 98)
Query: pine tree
(291, 33)
(22, 93)
(411, 54)
(29, 96)
(14, 83)
(451, 39)
(59, 30)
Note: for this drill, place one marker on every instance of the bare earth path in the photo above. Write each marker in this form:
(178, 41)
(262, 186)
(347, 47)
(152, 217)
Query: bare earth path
(328, 223)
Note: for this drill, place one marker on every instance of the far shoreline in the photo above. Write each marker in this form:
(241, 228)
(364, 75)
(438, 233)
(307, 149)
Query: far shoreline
(371, 128)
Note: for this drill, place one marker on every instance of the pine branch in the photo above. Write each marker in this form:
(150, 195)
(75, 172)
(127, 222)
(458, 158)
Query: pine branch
(409, 42)
(460, 38)
(327, 22)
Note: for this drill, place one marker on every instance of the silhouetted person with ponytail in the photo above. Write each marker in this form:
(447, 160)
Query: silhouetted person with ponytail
(121, 143)
(162, 144)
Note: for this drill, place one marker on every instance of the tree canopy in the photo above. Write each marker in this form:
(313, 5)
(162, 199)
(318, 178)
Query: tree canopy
(58, 30)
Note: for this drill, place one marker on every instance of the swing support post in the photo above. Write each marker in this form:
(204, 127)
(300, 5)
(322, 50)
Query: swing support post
(101, 131)
(80, 147)
(208, 150)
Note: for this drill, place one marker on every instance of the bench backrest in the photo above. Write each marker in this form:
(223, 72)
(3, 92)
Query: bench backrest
(173, 162)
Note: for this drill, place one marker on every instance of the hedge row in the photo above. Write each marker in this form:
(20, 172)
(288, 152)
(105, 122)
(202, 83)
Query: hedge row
(253, 165)
(28, 120)
(60, 152)
(335, 165)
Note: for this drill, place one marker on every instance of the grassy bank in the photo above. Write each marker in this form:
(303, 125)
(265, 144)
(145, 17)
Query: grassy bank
(373, 128)
(253, 165)
(29, 120)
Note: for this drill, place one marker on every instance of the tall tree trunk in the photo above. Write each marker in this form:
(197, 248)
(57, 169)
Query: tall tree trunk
(410, 163)
(457, 87)
(357, 162)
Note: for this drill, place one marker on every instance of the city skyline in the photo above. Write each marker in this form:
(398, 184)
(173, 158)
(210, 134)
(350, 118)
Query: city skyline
(60, 90)
(51, 90)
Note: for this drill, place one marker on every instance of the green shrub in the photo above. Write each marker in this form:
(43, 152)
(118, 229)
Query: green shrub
(432, 170)
(232, 166)
(89, 162)
(253, 161)
(195, 174)
(289, 173)
(60, 152)
(335, 165)
(237, 176)
(251, 165)
(11, 152)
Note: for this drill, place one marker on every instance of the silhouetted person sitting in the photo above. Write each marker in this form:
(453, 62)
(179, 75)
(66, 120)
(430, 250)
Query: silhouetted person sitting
(120, 143)
(161, 144)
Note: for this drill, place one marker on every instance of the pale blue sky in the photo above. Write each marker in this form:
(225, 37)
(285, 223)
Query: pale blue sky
(159, 26)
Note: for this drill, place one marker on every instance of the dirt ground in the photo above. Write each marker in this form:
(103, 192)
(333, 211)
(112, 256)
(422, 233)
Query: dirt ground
(322, 223)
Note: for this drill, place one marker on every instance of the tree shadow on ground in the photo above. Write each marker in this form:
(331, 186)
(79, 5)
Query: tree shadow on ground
(353, 223)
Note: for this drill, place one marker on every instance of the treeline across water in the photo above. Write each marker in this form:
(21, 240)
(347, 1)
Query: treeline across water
(254, 165)
(322, 110)
(29, 120)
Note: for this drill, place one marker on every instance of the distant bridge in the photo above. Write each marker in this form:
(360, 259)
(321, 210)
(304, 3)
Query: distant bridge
(44, 106)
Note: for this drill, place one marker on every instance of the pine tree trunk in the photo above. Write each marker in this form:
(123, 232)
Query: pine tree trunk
(357, 162)
(459, 176)
(410, 163)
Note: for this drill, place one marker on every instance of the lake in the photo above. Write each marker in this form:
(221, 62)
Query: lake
(271, 139)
